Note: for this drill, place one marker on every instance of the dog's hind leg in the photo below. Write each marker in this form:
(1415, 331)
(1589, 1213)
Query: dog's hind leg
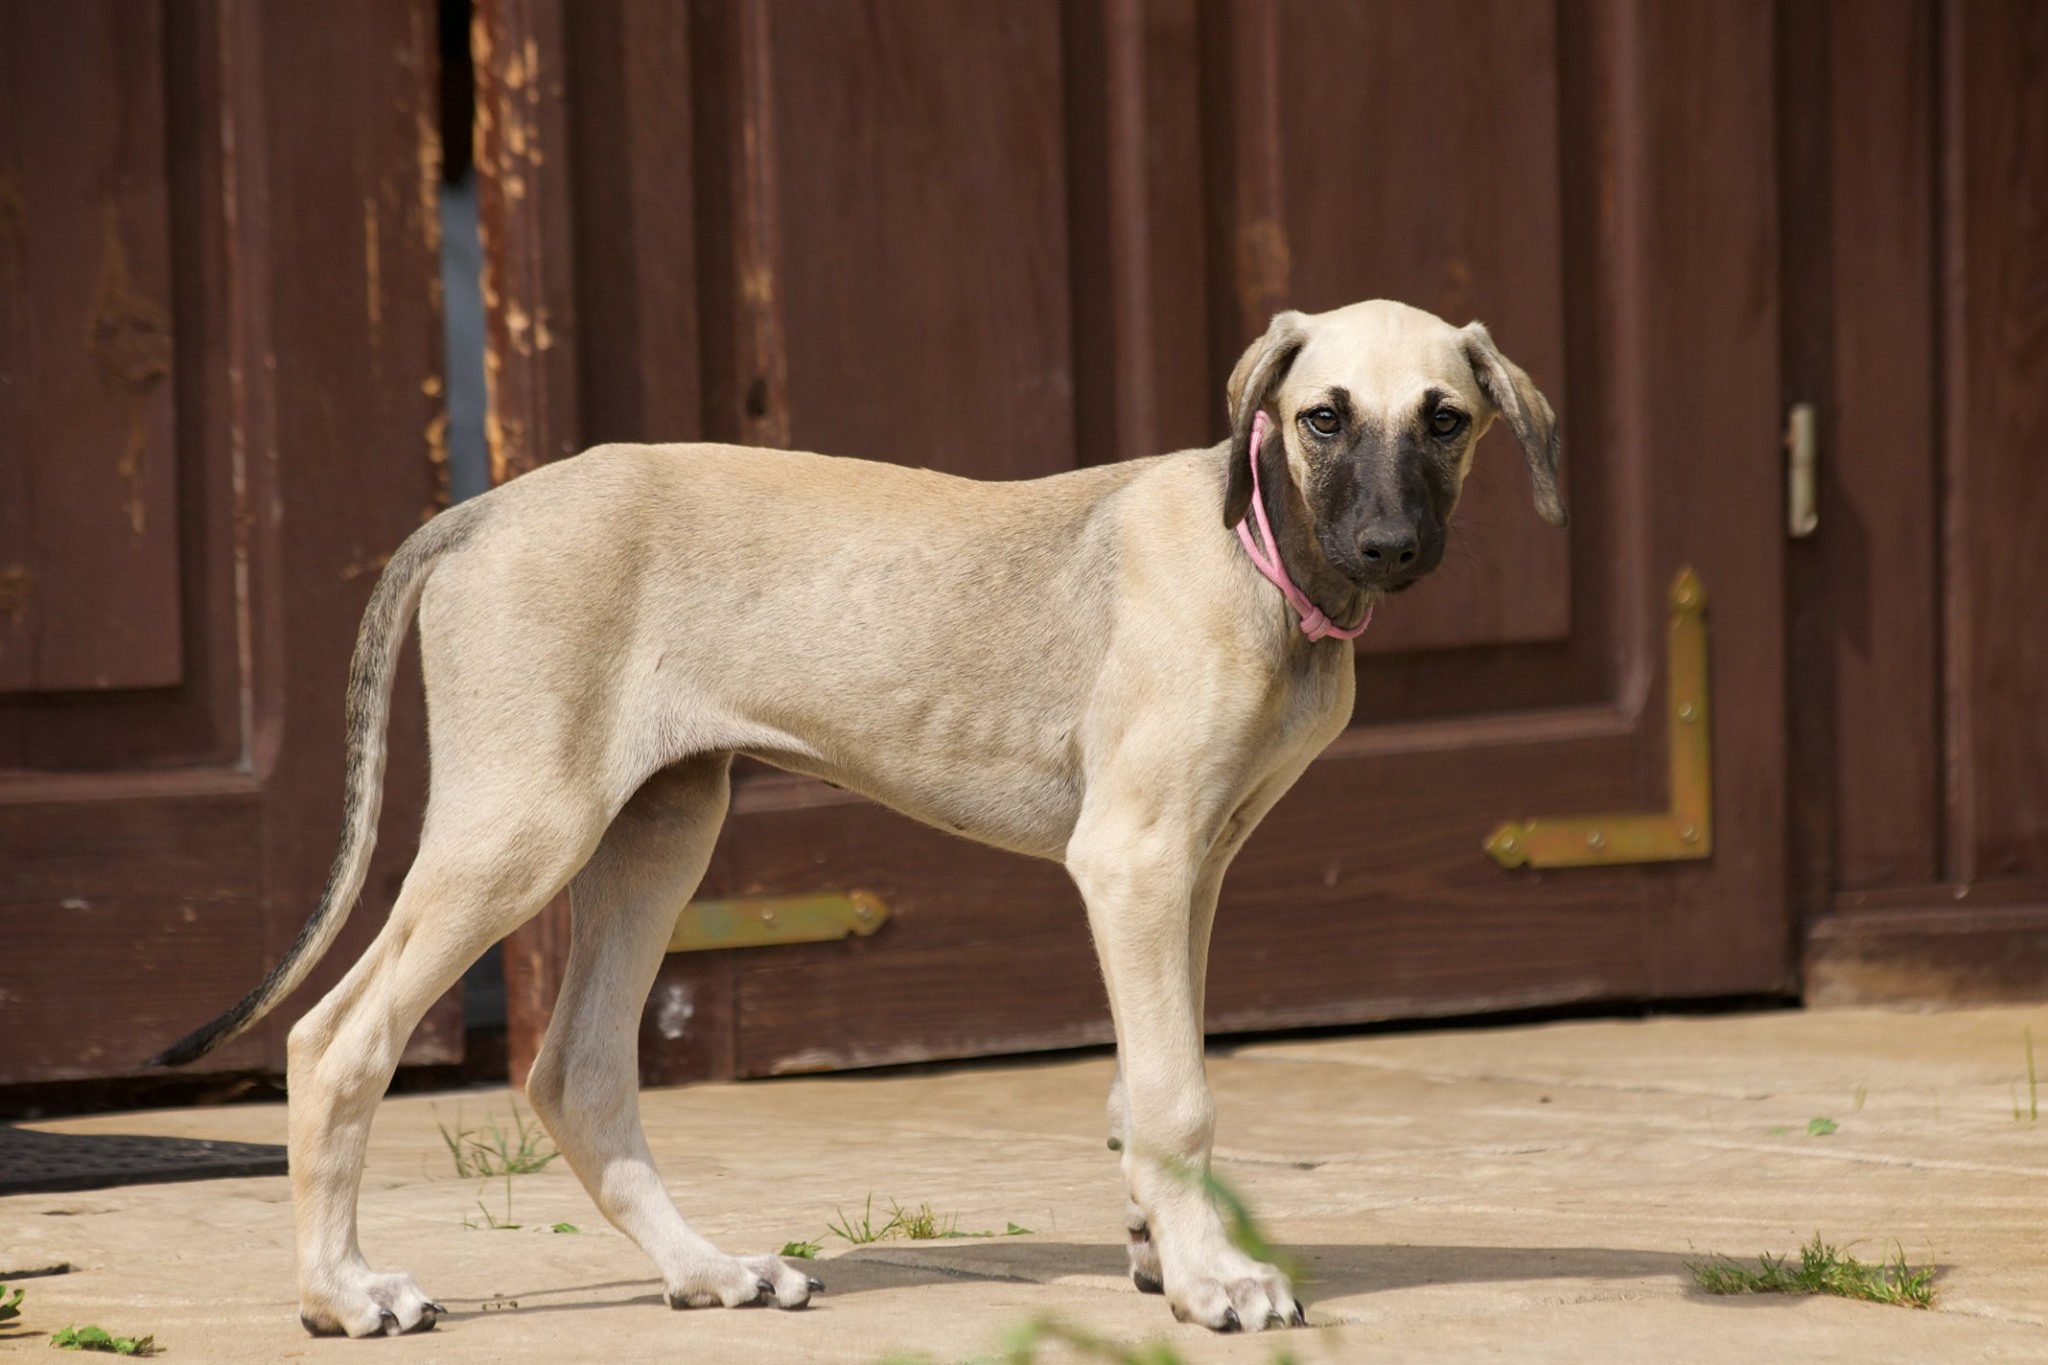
(481, 872)
(585, 1082)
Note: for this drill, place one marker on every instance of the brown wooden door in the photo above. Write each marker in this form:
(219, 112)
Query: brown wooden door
(1006, 239)
(1917, 210)
(219, 379)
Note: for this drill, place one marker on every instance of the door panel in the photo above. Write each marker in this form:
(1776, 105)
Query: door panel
(1599, 187)
(88, 512)
(1456, 211)
(921, 191)
(225, 217)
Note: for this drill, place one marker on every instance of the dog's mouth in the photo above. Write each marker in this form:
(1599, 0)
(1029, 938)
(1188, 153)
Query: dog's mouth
(1375, 580)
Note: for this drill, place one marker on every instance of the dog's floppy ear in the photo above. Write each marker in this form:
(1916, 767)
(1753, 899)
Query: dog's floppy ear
(1263, 365)
(1528, 415)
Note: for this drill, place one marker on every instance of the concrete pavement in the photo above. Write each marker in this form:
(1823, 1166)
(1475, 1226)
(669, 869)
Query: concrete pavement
(1525, 1193)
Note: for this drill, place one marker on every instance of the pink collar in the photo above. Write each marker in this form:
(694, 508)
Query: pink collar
(1314, 624)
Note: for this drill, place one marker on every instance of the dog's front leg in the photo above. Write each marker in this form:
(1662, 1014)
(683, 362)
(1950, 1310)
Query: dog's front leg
(1144, 1253)
(1139, 877)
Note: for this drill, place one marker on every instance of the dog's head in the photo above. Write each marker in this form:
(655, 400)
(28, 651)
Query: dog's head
(1378, 407)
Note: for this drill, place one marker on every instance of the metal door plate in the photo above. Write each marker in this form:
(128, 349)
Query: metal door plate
(1684, 831)
(769, 920)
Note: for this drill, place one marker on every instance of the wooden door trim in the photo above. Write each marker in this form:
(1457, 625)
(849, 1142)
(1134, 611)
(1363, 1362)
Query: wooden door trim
(524, 170)
(21, 789)
(1940, 954)
(1552, 725)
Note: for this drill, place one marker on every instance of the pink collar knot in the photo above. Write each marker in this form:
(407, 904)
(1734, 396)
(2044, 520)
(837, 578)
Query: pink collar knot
(1314, 624)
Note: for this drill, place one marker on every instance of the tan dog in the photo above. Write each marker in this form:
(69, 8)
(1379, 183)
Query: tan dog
(1087, 668)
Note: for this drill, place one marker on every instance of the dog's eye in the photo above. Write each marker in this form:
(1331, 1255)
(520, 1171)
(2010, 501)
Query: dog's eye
(1323, 421)
(1447, 421)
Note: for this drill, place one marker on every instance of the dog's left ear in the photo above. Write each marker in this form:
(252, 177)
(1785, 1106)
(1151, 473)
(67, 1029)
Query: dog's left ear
(1528, 415)
(1264, 364)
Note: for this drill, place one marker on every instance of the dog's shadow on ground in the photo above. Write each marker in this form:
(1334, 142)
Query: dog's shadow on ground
(1327, 1272)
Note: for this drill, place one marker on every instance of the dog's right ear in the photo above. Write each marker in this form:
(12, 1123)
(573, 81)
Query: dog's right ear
(1263, 365)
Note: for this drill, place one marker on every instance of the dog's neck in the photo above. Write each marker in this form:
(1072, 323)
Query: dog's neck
(1344, 602)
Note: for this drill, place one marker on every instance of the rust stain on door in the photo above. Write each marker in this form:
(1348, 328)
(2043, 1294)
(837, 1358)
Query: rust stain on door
(129, 339)
(373, 265)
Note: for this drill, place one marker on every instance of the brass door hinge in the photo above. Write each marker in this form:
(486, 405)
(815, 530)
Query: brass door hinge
(1802, 471)
(770, 920)
(1684, 831)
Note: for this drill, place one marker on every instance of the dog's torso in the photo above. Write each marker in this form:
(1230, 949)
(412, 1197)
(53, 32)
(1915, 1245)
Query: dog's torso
(985, 644)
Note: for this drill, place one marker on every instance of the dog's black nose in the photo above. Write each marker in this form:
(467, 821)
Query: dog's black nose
(1389, 546)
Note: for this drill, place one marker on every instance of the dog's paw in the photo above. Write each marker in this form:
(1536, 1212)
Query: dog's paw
(742, 1282)
(1144, 1252)
(1253, 1302)
(365, 1303)
(790, 1287)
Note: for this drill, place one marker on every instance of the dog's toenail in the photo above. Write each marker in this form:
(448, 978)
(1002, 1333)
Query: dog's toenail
(766, 1288)
(1300, 1314)
(817, 1285)
(388, 1320)
(1231, 1322)
(438, 1308)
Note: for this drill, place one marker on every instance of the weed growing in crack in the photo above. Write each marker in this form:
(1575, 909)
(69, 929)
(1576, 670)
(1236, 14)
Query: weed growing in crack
(1822, 1269)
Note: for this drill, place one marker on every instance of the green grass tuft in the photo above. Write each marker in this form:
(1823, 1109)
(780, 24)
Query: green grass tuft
(863, 1232)
(10, 1307)
(921, 1224)
(801, 1251)
(488, 1152)
(1822, 1269)
(90, 1338)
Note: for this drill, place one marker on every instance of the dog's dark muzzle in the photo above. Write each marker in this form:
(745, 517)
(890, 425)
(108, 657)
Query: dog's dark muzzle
(1390, 553)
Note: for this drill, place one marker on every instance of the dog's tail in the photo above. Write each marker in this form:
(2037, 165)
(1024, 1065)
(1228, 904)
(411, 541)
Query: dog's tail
(368, 708)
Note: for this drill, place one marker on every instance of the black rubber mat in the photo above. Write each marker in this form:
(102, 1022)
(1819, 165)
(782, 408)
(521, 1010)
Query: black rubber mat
(46, 1163)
